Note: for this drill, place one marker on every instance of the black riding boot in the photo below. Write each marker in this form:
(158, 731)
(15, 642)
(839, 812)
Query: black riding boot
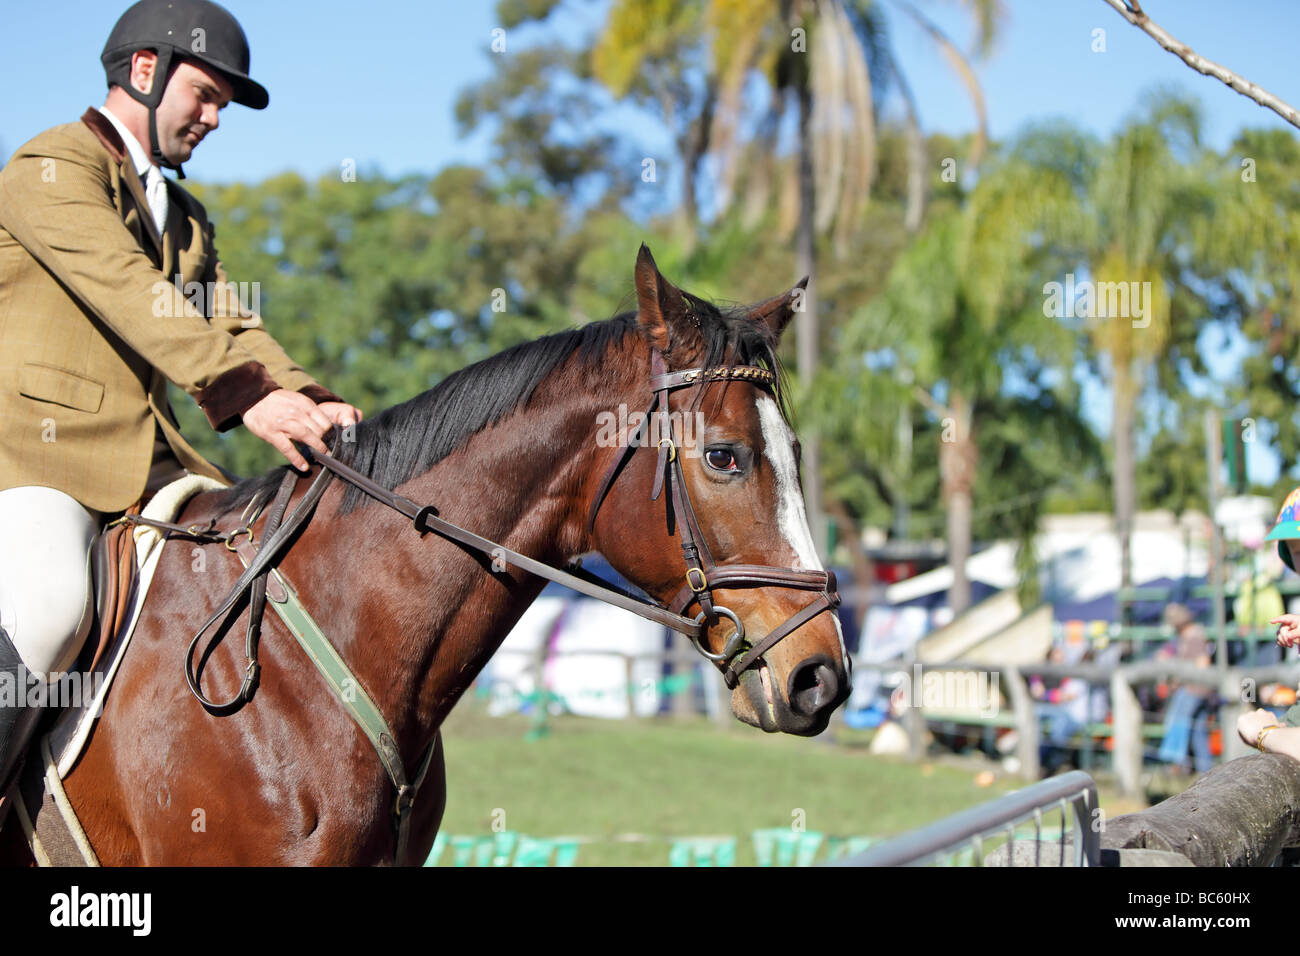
(17, 720)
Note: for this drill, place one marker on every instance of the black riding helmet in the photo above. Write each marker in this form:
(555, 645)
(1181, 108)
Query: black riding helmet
(175, 30)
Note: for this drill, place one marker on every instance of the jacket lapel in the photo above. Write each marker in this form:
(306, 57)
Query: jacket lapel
(171, 231)
(108, 135)
(136, 188)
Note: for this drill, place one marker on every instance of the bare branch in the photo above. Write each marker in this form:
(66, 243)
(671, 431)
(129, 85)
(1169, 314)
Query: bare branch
(1133, 13)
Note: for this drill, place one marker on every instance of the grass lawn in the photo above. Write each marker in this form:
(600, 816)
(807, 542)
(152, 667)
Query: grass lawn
(668, 777)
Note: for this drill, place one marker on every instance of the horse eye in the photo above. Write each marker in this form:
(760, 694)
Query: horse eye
(720, 459)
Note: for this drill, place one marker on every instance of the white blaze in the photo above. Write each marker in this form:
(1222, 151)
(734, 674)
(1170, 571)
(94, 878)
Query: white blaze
(778, 448)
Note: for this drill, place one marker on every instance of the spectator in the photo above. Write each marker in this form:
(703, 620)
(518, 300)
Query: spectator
(1187, 718)
(1106, 655)
(1065, 710)
(1286, 532)
(1257, 605)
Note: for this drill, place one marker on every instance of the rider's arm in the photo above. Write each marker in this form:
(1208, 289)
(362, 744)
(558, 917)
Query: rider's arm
(228, 311)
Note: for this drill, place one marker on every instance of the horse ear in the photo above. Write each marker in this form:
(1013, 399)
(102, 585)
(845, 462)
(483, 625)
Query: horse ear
(777, 311)
(660, 304)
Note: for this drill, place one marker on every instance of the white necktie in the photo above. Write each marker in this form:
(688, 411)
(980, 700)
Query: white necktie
(156, 193)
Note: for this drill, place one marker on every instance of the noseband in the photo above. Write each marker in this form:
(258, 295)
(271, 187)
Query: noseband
(703, 574)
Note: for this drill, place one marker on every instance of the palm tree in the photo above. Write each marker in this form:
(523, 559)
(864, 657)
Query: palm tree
(1149, 199)
(962, 308)
(825, 61)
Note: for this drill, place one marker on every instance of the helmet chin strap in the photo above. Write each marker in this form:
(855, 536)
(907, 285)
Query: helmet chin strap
(156, 152)
(163, 68)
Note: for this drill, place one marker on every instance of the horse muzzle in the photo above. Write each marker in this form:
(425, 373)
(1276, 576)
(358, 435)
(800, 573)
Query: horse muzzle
(803, 707)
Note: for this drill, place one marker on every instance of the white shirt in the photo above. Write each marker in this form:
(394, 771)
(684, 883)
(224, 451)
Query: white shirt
(155, 188)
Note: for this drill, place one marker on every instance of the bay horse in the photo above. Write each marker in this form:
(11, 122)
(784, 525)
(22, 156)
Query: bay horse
(508, 448)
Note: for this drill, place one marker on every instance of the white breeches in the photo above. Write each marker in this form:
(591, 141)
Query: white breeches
(46, 604)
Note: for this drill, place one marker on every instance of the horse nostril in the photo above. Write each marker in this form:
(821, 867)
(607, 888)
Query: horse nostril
(813, 685)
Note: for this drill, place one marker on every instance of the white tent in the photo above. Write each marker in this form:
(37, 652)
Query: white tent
(583, 645)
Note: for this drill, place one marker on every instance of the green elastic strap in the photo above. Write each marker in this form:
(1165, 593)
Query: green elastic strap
(359, 705)
(341, 679)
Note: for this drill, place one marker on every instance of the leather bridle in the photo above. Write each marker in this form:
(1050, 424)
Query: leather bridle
(703, 574)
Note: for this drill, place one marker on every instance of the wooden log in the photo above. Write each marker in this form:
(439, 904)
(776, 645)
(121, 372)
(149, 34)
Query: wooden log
(1243, 813)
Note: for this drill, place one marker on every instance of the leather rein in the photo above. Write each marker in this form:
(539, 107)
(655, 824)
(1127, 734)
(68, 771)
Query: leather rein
(703, 574)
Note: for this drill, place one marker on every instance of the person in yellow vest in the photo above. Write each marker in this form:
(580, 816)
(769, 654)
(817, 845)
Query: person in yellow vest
(1257, 605)
(96, 249)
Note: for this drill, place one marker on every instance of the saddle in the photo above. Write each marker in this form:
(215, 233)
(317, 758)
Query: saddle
(115, 568)
(115, 576)
(123, 559)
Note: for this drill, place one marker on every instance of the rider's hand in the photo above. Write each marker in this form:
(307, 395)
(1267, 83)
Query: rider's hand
(341, 413)
(283, 417)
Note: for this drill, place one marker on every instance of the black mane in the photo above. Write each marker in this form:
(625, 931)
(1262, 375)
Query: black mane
(410, 438)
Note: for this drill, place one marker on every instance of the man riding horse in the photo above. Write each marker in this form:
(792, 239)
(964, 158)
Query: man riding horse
(96, 249)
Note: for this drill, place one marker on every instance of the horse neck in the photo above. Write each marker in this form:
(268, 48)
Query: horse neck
(426, 615)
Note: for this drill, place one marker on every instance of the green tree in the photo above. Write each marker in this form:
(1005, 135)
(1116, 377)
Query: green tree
(1254, 242)
(822, 61)
(960, 323)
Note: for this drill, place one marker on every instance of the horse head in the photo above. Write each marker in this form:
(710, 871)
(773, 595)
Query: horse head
(705, 513)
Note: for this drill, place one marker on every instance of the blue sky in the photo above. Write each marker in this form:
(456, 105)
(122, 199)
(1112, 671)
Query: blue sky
(376, 82)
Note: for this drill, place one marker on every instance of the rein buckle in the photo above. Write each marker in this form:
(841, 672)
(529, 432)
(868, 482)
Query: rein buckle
(404, 801)
(231, 538)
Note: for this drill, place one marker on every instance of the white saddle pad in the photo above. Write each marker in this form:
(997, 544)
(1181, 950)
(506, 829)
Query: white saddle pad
(73, 726)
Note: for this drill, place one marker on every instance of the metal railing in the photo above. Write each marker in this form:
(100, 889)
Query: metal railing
(966, 834)
(1237, 688)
